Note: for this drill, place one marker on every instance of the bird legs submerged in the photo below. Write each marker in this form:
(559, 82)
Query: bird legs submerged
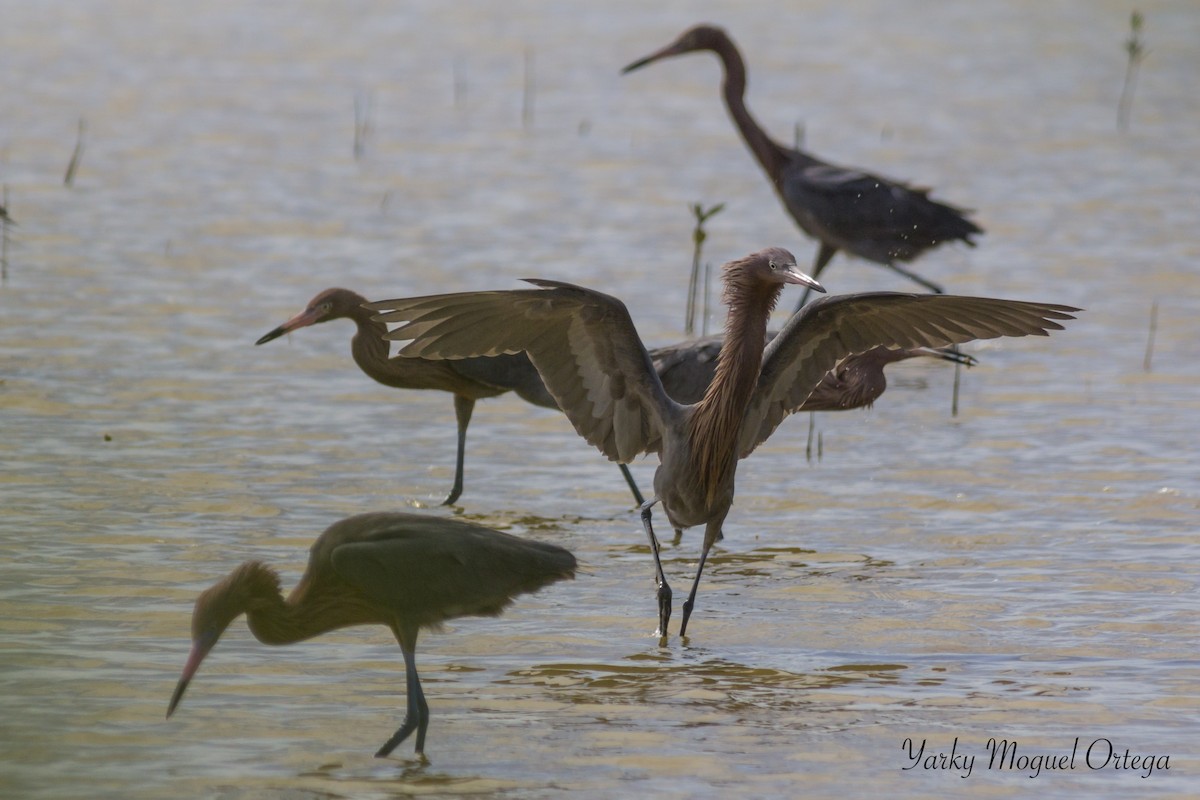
(691, 600)
(416, 716)
(712, 534)
(664, 589)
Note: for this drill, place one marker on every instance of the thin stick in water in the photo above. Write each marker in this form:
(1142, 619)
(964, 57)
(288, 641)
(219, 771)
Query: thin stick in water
(698, 236)
(954, 395)
(363, 104)
(1150, 338)
(812, 427)
(527, 104)
(76, 156)
(1137, 53)
(460, 83)
(5, 221)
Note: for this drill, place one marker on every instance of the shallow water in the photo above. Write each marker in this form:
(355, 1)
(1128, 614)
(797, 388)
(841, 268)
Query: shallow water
(1025, 570)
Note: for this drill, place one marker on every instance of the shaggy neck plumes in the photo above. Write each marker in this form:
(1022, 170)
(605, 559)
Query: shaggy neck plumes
(716, 426)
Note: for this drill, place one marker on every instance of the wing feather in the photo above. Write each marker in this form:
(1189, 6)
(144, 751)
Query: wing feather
(583, 344)
(823, 333)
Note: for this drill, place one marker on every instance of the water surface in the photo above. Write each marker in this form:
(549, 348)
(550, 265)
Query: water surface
(1025, 570)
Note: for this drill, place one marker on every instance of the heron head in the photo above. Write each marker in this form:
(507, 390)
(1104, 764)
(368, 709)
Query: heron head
(218, 606)
(329, 304)
(699, 37)
(776, 265)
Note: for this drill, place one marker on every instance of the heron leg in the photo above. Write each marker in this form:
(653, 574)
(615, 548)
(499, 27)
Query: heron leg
(416, 715)
(637, 495)
(712, 534)
(463, 407)
(824, 255)
(912, 276)
(664, 589)
(688, 605)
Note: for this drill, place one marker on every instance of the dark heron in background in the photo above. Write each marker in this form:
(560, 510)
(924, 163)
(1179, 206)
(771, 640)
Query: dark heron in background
(405, 571)
(881, 220)
(591, 359)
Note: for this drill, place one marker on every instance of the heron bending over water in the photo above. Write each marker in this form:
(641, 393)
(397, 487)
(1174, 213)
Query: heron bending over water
(406, 571)
(881, 220)
(590, 357)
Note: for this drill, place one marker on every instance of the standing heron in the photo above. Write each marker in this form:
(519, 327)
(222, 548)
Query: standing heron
(468, 380)
(406, 571)
(881, 220)
(590, 357)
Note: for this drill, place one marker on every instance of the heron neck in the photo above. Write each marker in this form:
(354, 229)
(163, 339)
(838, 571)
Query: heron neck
(369, 348)
(717, 421)
(305, 613)
(771, 156)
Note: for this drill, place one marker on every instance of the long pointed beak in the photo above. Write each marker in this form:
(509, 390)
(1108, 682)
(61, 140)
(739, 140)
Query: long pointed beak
(308, 316)
(200, 649)
(641, 62)
(667, 51)
(794, 275)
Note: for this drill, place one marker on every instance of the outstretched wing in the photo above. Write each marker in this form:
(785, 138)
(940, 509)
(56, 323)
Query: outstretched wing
(825, 332)
(582, 342)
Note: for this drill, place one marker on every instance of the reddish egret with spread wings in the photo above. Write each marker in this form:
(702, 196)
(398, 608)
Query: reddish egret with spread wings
(687, 368)
(406, 571)
(881, 220)
(468, 379)
(591, 359)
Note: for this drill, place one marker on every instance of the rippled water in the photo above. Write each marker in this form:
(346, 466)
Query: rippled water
(1025, 570)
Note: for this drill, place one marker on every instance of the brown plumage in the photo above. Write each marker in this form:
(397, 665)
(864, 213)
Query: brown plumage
(405, 571)
(687, 368)
(881, 220)
(715, 427)
(468, 379)
(590, 357)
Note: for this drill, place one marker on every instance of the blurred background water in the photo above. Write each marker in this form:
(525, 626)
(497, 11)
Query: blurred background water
(1025, 570)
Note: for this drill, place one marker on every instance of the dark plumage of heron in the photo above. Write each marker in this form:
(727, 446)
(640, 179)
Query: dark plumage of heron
(405, 571)
(584, 345)
(881, 220)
